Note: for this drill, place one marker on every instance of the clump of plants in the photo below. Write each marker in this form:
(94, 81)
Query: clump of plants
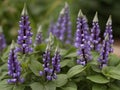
(61, 61)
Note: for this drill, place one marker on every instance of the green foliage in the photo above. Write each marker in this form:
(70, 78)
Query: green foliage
(61, 80)
(75, 70)
(98, 79)
(72, 76)
(99, 87)
(38, 86)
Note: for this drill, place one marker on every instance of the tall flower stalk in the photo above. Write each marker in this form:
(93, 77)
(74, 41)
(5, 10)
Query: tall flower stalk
(51, 65)
(24, 34)
(46, 65)
(82, 40)
(38, 39)
(14, 68)
(103, 59)
(47, 60)
(2, 40)
(63, 25)
(107, 44)
(109, 32)
(68, 29)
(95, 34)
(56, 63)
(52, 28)
(60, 26)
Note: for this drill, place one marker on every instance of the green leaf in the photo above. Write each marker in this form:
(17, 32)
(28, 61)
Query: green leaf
(75, 70)
(20, 87)
(63, 52)
(3, 74)
(112, 72)
(3, 67)
(113, 87)
(35, 67)
(49, 86)
(96, 68)
(98, 79)
(61, 80)
(37, 86)
(72, 63)
(99, 87)
(6, 53)
(64, 63)
(72, 54)
(70, 86)
(113, 60)
(5, 86)
(40, 48)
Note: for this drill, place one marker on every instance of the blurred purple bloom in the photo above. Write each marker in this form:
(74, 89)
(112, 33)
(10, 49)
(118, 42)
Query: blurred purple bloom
(60, 27)
(109, 32)
(38, 39)
(63, 25)
(103, 59)
(2, 40)
(14, 68)
(24, 34)
(52, 28)
(107, 44)
(67, 22)
(95, 32)
(82, 40)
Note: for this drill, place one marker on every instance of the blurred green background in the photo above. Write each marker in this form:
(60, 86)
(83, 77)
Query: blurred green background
(43, 11)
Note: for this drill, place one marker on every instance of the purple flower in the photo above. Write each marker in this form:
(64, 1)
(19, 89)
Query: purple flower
(46, 64)
(38, 39)
(63, 26)
(107, 44)
(24, 34)
(14, 68)
(52, 28)
(82, 40)
(56, 63)
(109, 32)
(51, 66)
(103, 59)
(67, 22)
(95, 32)
(60, 26)
(2, 40)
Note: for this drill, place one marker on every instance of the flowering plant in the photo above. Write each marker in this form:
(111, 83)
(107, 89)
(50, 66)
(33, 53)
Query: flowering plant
(58, 63)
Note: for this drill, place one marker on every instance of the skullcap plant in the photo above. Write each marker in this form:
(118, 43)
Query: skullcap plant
(24, 34)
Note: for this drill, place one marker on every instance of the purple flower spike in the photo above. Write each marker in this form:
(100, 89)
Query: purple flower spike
(60, 26)
(14, 68)
(56, 63)
(24, 34)
(2, 40)
(63, 25)
(67, 22)
(46, 60)
(38, 39)
(95, 32)
(103, 59)
(52, 28)
(82, 40)
(109, 32)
